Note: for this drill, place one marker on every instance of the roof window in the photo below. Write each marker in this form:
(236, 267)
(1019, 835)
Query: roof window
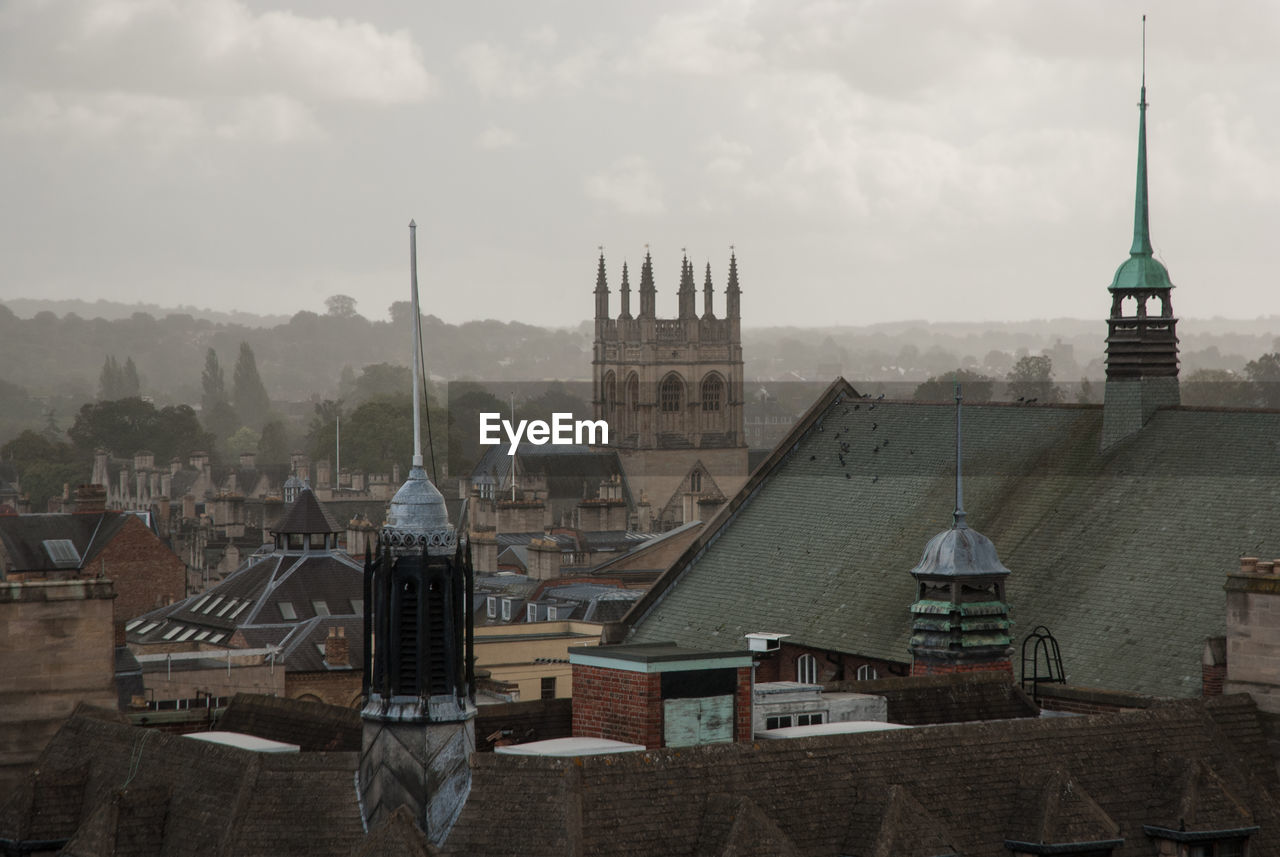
(286, 610)
(62, 552)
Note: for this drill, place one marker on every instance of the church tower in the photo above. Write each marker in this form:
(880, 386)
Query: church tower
(671, 390)
(960, 620)
(419, 727)
(1142, 339)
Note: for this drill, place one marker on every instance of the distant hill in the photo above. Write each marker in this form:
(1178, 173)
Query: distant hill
(114, 311)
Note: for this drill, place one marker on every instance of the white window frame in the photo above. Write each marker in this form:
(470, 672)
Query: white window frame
(491, 606)
(531, 613)
(807, 669)
(506, 610)
(866, 672)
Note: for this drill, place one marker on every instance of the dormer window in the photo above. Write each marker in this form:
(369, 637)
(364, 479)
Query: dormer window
(491, 607)
(506, 610)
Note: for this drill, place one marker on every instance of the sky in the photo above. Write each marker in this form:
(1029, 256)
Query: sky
(869, 161)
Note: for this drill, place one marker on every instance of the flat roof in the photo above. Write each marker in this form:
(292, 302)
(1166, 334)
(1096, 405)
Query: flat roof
(656, 658)
(570, 747)
(846, 728)
(244, 742)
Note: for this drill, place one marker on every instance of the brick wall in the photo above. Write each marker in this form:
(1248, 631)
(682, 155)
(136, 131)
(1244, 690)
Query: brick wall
(58, 651)
(336, 687)
(742, 727)
(926, 668)
(832, 666)
(146, 573)
(617, 705)
(1089, 700)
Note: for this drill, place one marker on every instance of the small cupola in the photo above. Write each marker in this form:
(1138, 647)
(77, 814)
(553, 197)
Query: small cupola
(960, 620)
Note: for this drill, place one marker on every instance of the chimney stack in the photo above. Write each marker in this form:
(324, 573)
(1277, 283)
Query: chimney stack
(337, 648)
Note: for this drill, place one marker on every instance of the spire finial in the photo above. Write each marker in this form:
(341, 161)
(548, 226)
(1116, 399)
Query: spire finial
(959, 513)
(1141, 218)
(417, 346)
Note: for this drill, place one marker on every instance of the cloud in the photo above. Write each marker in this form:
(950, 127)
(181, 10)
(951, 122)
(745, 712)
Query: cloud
(493, 138)
(629, 185)
(500, 71)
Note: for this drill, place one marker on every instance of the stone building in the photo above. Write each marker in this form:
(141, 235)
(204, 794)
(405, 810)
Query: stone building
(671, 390)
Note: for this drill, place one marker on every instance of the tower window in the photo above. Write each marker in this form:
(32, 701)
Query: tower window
(712, 393)
(633, 391)
(695, 482)
(671, 394)
(610, 391)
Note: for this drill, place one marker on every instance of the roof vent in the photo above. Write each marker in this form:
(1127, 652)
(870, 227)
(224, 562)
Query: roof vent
(763, 641)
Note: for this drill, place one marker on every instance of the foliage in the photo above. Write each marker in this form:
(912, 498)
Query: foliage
(1216, 388)
(341, 306)
(242, 440)
(1032, 378)
(273, 446)
(380, 380)
(213, 383)
(247, 392)
(1264, 376)
(467, 401)
(126, 426)
(976, 387)
(44, 466)
(118, 382)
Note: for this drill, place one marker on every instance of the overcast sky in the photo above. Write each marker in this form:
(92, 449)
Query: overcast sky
(871, 161)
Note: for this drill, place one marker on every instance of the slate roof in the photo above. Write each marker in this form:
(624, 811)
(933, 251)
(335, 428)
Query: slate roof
(307, 515)
(114, 789)
(311, 725)
(23, 537)
(863, 794)
(1122, 555)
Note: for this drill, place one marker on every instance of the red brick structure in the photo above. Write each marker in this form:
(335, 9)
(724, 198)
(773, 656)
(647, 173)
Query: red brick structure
(946, 668)
(660, 695)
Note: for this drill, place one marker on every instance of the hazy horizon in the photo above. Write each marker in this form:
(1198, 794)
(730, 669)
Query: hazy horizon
(872, 162)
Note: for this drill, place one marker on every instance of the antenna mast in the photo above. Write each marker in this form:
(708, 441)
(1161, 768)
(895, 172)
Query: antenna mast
(417, 346)
(959, 513)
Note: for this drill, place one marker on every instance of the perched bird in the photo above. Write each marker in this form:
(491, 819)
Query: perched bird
(879, 397)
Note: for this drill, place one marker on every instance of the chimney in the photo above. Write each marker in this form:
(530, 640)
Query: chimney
(337, 649)
(90, 499)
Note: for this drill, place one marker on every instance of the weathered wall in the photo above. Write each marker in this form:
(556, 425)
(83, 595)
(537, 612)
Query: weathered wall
(57, 650)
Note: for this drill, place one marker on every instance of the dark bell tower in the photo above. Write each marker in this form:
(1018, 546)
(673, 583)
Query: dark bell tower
(419, 714)
(1142, 338)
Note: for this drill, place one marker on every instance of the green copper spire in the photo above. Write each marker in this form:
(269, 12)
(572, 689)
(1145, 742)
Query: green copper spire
(1142, 270)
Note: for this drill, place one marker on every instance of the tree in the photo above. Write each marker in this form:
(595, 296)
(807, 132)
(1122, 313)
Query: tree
(380, 380)
(130, 384)
(109, 380)
(466, 402)
(213, 383)
(248, 393)
(379, 434)
(341, 306)
(323, 429)
(273, 446)
(1264, 377)
(1085, 394)
(1217, 388)
(1032, 378)
(125, 426)
(242, 440)
(976, 387)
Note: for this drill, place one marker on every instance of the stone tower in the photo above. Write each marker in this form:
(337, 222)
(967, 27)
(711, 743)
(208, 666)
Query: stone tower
(419, 726)
(1142, 339)
(960, 620)
(672, 389)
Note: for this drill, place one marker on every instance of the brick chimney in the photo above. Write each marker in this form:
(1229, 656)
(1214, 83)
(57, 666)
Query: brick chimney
(337, 648)
(91, 499)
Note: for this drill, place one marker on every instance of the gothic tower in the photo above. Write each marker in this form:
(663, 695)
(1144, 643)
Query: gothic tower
(1142, 339)
(960, 620)
(419, 728)
(671, 390)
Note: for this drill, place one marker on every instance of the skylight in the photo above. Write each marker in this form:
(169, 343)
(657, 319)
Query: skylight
(226, 607)
(202, 635)
(240, 609)
(217, 638)
(187, 635)
(357, 606)
(199, 604)
(135, 623)
(62, 552)
(286, 610)
(148, 628)
(321, 608)
(172, 632)
(212, 604)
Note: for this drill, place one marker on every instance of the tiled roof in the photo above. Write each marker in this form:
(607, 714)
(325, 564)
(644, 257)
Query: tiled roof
(113, 789)
(1121, 555)
(310, 725)
(833, 795)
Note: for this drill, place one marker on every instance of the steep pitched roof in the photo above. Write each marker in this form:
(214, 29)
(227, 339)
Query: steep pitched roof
(1121, 555)
(24, 537)
(306, 515)
(897, 826)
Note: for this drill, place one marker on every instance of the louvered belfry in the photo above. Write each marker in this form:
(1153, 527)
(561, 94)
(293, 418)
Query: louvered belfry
(1142, 331)
(419, 712)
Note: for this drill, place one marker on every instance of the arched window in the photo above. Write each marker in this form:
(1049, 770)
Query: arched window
(712, 393)
(807, 669)
(610, 391)
(695, 482)
(866, 672)
(633, 391)
(672, 394)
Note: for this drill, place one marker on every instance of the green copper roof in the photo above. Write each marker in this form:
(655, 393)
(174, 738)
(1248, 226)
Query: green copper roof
(1141, 270)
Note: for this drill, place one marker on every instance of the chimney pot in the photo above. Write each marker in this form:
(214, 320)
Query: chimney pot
(1265, 566)
(1248, 564)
